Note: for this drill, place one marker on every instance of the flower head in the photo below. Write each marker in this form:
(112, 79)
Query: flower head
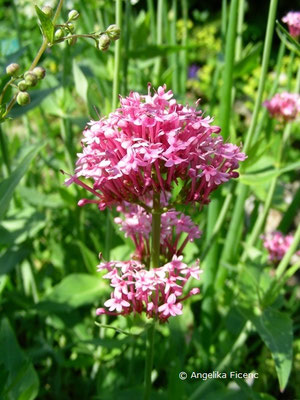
(284, 106)
(149, 144)
(292, 19)
(157, 292)
(177, 229)
(277, 245)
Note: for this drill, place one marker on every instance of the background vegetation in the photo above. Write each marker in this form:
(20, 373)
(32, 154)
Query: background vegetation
(247, 316)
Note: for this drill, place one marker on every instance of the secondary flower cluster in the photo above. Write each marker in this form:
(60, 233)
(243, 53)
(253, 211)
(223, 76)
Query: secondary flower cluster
(157, 292)
(284, 106)
(292, 19)
(277, 245)
(147, 145)
(177, 229)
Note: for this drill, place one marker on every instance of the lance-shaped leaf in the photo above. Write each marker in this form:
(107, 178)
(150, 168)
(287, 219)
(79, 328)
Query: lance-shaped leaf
(46, 24)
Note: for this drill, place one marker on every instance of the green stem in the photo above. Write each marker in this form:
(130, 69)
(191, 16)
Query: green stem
(218, 225)
(115, 99)
(290, 70)
(241, 339)
(264, 71)
(273, 90)
(224, 24)
(225, 117)
(155, 248)
(288, 255)
(116, 83)
(150, 7)
(159, 39)
(263, 215)
(242, 190)
(183, 56)
(226, 95)
(156, 219)
(6, 86)
(149, 360)
(126, 36)
(4, 151)
(239, 38)
(45, 41)
(174, 42)
(38, 56)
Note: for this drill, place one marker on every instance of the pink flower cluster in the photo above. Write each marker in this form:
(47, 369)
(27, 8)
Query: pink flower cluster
(292, 19)
(157, 292)
(284, 106)
(277, 245)
(177, 229)
(148, 144)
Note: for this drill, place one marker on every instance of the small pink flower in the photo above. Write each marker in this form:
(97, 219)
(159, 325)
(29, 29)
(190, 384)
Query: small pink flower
(117, 304)
(171, 307)
(277, 245)
(292, 19)
(284, 106)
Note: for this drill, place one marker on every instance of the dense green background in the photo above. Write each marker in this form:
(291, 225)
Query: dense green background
(50, 347)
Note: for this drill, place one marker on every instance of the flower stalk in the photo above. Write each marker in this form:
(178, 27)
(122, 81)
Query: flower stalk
(155, 246)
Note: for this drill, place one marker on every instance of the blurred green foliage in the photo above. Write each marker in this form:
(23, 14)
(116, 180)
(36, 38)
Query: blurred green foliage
(50, 347)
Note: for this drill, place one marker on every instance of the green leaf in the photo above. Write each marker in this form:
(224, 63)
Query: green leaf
(287, 39)
(89, 258)
(77, 290)
(46, 24)
(248, 62)
(276, 330)
(8, 185)
(266, 176)
(11, 258)
(22, 382)
(81, 83)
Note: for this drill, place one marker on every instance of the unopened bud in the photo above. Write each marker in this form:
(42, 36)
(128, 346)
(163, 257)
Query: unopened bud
(71, 27)
(22, 85)
(30, 78)
(59, 33)
(12, 69)
(103, 42)
(48, 11)
(40, 72)
(23, 98)
(73, 15)
(113, 32)
(72, 41)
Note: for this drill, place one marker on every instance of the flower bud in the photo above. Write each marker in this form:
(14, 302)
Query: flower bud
(113, 32)
(23, 98)
(72, 41)
(59, 33)
(103, 42)
(73, 15)
(12, 69)
(71, 27)
(22, 85)
(30, 78)
(48, 11)
(40, 72)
